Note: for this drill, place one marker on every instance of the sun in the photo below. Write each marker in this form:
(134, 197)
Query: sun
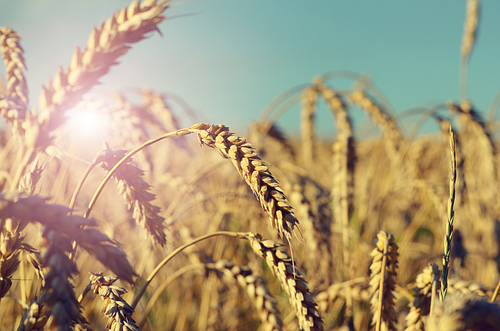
(88, 122)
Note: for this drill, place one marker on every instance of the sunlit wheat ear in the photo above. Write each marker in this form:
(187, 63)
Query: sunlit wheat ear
(253, 170)
(256, 289)
(292, 281)
(14, 104)
(35, 209)
(105, 45)
(421, 305)
(383, 281)
(136, 193)
(309, 98)
(464, 313)
(118, 311)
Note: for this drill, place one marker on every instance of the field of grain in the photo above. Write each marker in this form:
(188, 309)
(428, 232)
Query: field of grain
(168, 228)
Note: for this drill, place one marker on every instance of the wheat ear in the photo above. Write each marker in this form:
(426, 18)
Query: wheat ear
(256, 289)
(117, 310)
(451, 217)
(105, 45)
(421, 304)
(35, 209)
(291, 281)
(383, 281)
(468, 39)
(309, 99)
(344, 160)
(14, 104)
(464, 312)
(136, 193)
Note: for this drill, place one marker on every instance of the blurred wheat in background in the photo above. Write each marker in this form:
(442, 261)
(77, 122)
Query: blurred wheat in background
(155, 230)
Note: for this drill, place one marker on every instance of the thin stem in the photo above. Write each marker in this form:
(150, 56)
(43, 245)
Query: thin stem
(80, 185)
(106, 179)
(177, 251)
(28, 157)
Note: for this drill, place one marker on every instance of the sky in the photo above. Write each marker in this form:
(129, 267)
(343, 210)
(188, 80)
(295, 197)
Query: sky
(229, 58)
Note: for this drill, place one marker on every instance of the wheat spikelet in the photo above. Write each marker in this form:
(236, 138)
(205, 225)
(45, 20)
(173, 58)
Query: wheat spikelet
(116, 309)
(291, 281)
(136, 193)
(35, 209)
(256, 289)
(253, 170)
(421, 305)
(309, 99)
(105, 45)
(464, 313)
(15, 103)
(383, 281)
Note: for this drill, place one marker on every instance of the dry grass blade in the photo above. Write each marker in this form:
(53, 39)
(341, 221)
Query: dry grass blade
(256, 289)
(468, 39)
(117, 310)
(136, 193)
(291, 281)
(14, 110)
(253, 170)
(105, 45)
(383, 281)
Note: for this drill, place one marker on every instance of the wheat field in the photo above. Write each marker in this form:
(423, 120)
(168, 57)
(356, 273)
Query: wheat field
(154, 229)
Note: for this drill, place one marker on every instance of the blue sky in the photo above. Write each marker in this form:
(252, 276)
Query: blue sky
(229, 58)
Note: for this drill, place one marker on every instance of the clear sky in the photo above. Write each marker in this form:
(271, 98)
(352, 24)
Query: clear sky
(230, 58)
